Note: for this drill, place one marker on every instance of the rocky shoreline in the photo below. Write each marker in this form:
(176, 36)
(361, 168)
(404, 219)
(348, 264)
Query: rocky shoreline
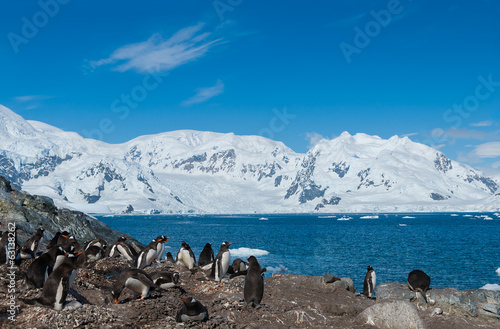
(290, 301)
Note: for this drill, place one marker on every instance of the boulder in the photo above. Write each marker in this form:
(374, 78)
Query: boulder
(395, 314)
(339, 283)
(330, 278)
(480, 303)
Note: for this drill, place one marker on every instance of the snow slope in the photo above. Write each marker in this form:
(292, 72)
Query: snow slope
(205, 172)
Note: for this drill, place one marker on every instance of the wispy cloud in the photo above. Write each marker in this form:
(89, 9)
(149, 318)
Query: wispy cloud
(31, 98)
(313, 138)
(486, 123)
(488, 150)
(409, 135)
(472, 134)
(204, 94)
(158, 54)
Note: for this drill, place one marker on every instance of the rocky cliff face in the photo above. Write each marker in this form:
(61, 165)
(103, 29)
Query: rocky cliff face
(32, 211)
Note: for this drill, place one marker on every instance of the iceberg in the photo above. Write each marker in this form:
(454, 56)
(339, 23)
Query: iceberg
(247, 252)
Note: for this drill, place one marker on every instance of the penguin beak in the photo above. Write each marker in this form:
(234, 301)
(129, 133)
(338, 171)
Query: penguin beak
(81, 252)
(115, 300)
(184, 300)
(230, 243)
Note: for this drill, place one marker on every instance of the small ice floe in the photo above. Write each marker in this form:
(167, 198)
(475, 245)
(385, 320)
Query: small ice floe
(247, 252)
(497, 214)
(467, 215)
(498, 271)
(408, 217)
(329, 216)
(278, 269)
(369, 217)
(487, 218)
(454, 215)
(263, 218)
(344, 218)
(491, 286)
(402, 225)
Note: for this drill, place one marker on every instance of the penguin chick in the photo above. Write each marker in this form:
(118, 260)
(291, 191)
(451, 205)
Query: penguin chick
(191, 310)
(134, 279)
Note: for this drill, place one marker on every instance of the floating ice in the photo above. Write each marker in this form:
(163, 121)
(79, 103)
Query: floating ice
(247, 252)
(491, 286)
(498, 271)
(280, 269)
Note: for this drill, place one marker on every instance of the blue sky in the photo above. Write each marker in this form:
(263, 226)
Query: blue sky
(294, 71)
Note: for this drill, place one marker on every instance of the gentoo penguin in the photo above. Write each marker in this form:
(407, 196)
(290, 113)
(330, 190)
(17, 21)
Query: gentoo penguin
(178, 257)
(56, 289)
(221, 263)
(253, 289)
(239, 265)
(147, 255)
(170, 258)
(7, 247)
(370, 282)
(33, 242)
(97, 242)
(188, 257)
(191, 310)
(206, 256)
(41, 268)
(53, 242)
(419, 282)
(165, 280)
(160, 247)
(121, 249)
(93, 253)
(134, 279)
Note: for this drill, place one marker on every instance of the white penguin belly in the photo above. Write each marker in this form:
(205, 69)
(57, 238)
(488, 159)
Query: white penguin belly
(226, 257)
(137, 286)
(124, 252)
(151, 255)
(199, 317)
(188, 260)
(58, 304)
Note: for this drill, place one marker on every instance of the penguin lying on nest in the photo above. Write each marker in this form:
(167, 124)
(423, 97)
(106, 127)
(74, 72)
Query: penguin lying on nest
(191, 310)
(134, 279)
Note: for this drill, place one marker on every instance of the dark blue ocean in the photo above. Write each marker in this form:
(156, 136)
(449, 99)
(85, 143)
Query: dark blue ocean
(457, 250)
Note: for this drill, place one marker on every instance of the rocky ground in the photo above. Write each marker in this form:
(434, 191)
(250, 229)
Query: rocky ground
(290, 301)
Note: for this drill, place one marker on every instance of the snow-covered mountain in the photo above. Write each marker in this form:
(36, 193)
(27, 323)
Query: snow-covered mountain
(204, 172)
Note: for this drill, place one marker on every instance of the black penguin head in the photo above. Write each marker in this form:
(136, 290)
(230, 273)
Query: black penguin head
(176, 277)
(121, 239)
(225, 245)
(189, 301)
(369, 268)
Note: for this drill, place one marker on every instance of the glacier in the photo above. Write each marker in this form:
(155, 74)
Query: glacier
(196, 172)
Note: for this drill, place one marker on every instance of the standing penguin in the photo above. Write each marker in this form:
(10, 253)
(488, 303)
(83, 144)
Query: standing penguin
(33, 242)
(370, 282)
(191, 310)
(221, 263)
(170, 258)
(160, 247)
(41, 268)
(206, 256)
(419, 282)
(134, 279)
(121, 249)
(253, 290)
(188, 257)
(56, 289)
(178, 257)
(147, 255)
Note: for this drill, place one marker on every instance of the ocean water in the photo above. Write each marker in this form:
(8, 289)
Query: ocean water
(456, 250)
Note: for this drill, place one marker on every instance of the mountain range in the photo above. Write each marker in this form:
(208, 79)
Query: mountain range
(205, 172)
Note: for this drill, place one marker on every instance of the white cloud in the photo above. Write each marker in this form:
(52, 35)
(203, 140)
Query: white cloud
(488, 150)
(157, 54)
(204, 94)
(31, 98)
(314, 138)
(409, 135)
(472, 134)
(486, 123)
